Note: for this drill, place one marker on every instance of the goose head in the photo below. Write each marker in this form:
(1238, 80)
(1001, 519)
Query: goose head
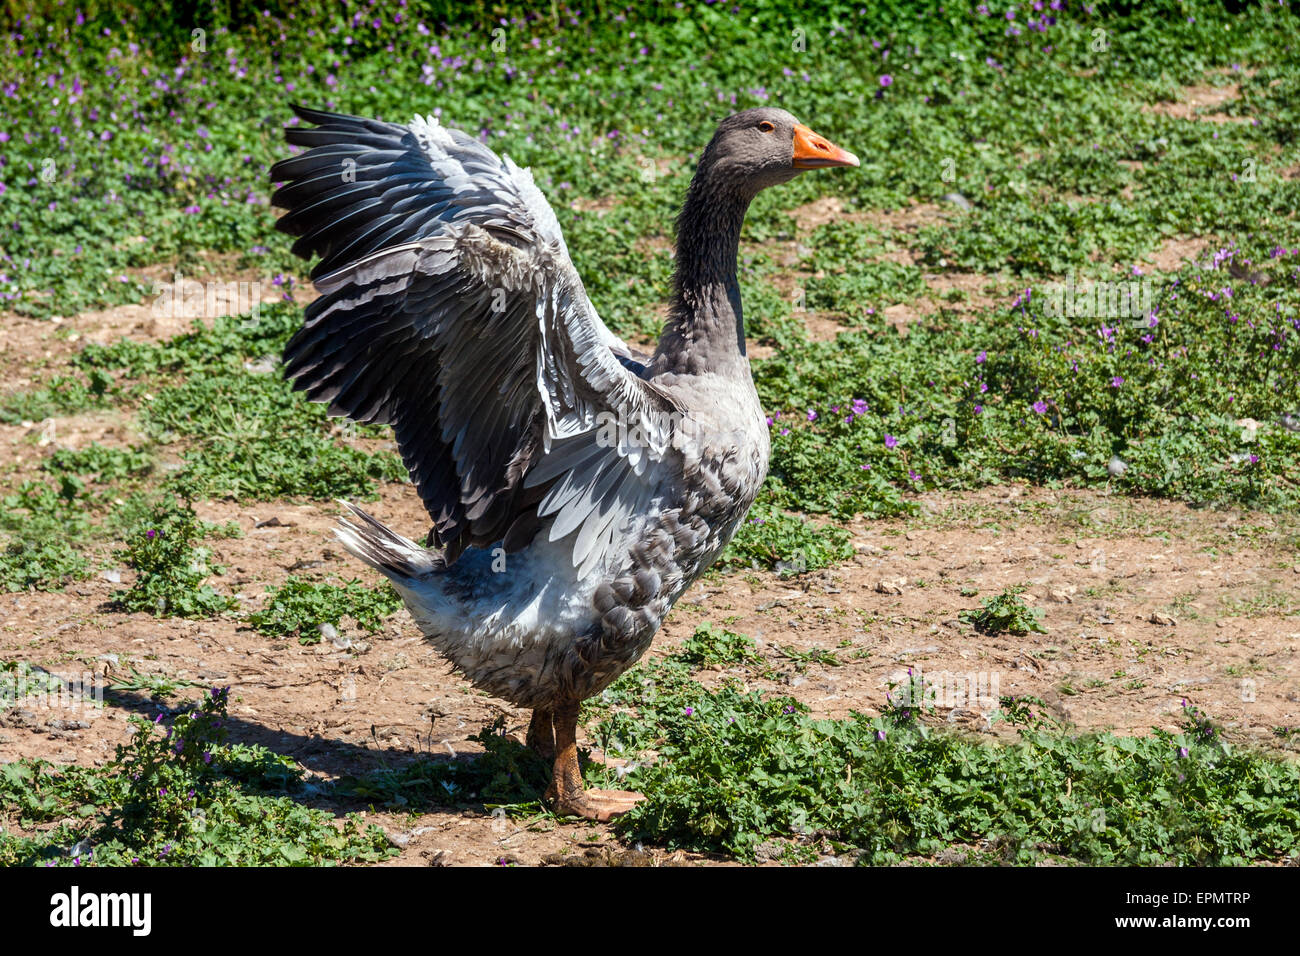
(764, 147)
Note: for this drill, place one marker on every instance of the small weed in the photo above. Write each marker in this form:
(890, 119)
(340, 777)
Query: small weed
(815, 655)
(40, 527)
(1005, 614)
(19, 679)
(1198, 726)
(40, 562)
(61, 395)
(774, 540)
(1019, 712)
(299, 607)
(170, 570)
(158, 686)
(106, 465)
(711, 645)
(177, 795)
(1265, 600)
(505, 775)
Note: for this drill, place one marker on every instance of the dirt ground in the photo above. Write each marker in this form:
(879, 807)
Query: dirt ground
(1103, 569)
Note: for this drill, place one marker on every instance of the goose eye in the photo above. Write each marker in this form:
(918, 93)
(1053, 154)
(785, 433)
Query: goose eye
(766, 127)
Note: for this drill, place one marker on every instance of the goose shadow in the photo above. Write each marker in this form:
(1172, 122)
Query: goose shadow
(343, 776)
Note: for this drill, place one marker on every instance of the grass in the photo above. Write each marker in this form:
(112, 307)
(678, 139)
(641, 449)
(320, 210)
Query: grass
(299, 608)
(735, 768)
(176, 795)
(1005, 613)
(127, 146)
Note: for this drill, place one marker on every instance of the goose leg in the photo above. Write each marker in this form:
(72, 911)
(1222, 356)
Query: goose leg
(541, 734)
(566, 794)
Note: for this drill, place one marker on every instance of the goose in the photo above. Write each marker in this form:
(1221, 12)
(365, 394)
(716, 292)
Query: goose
(576, 486)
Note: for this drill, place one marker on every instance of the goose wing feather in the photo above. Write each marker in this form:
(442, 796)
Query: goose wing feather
(450, 310)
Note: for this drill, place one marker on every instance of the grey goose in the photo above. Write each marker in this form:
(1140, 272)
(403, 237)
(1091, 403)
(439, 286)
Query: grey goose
(576, 487)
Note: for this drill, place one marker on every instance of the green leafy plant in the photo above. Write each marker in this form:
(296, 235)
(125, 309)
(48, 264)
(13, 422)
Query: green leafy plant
(106, 465)
(41, 528)
(506, 775)
(177, 794)
(814, 655)
(712, 645)
(158, 686)
(774, 540)
(299, 607)
(733, 768)
(171, 571)
(41, 563)
(19, 679)
(1005, 613)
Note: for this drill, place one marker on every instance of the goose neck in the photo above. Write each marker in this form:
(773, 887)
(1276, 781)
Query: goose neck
(706, 327)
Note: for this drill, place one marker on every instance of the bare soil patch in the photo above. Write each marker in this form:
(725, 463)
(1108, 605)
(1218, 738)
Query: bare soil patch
(30, 345)
(819, 212)
(1199, 103)
(1176, 253)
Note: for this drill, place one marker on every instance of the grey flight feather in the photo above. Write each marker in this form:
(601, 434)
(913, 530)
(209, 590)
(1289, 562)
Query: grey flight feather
(450, 310)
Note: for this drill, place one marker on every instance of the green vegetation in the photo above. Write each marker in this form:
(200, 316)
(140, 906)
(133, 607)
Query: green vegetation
(61, 395)
(1046, 134)
(40, 526)
(300, 607)
(505, 778)
(734, 768)
(19, 679)
(1005, 613)
(176, 795)
(712, 645)
(103, 465)
(245, 433)
(39, 562)
(170, 571)
(775, 540)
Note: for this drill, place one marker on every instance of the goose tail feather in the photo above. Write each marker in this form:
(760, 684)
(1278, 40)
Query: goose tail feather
(384, 549)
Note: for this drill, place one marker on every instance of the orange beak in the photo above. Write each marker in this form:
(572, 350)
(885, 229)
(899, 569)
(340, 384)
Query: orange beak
(813, 152)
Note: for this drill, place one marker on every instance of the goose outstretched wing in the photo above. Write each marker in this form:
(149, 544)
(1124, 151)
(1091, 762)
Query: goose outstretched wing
(450, 310)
